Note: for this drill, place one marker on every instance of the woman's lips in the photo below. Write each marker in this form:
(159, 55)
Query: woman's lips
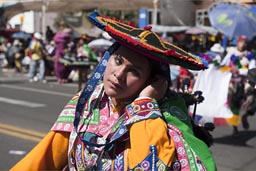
(115, 85)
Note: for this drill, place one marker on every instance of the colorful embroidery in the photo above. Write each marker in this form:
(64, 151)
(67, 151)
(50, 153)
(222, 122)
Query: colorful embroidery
(112, 127)
(67, 115)
(151, 162)
(119, 162)
(142, 109)
(186, 156)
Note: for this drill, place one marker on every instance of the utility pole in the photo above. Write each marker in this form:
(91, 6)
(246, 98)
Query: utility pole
(44, 8)
(155, 12)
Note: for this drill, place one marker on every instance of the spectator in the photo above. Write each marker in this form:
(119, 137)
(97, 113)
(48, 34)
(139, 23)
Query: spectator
(49, 34)
(37, 63)
(13, 52)
(3, 61)
(61, 39)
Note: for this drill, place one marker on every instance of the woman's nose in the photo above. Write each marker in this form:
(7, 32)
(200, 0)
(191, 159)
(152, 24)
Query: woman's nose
(120, 73)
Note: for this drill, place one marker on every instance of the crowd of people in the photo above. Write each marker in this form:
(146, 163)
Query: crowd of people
(41, 57)
(224, 84)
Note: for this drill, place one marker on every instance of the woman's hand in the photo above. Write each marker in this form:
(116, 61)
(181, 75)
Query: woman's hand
(156, 88)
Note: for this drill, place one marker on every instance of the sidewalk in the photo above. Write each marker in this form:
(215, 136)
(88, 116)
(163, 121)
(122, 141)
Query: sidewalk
(10, 75)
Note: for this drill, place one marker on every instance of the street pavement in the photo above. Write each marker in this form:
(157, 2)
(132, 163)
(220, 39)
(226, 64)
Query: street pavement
(235, 153)
(232, 153)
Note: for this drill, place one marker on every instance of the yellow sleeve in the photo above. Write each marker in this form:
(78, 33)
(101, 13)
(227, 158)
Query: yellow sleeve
(49, 154)
(149, 132)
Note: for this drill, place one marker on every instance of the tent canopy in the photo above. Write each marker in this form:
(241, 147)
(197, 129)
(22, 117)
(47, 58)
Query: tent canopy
(76, 5)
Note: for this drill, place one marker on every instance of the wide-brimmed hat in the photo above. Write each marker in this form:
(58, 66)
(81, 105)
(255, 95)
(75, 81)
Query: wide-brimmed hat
(37, 35)
(147, 43)
(217, 48)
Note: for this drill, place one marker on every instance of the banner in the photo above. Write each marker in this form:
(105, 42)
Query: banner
(214, 85)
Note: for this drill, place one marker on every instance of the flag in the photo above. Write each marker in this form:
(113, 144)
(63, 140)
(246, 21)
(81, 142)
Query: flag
(214, 84)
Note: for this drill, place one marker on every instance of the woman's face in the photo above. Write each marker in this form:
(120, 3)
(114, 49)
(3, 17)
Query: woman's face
(241, 45)
(126, 74)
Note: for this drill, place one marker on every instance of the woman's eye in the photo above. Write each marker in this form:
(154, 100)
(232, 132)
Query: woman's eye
(118, 60)
(135, 72)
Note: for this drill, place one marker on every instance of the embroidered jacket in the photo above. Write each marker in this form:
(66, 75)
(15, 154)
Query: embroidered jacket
(145, 136)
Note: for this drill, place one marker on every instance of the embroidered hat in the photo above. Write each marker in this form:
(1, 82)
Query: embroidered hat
(147, 43)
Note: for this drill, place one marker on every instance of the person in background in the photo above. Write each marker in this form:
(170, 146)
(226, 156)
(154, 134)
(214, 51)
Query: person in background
(237, 60)
(84, 53)
(61, 39)
(216, 53)
(236, 54)
(174, 74)
(27, 57)
(18, 57)
(49, 34)
(80, 51)
(49, 57)
(248, 107)
(3, 48)
(187, 75)
(13, 54)
(126, 118)
(37, 63)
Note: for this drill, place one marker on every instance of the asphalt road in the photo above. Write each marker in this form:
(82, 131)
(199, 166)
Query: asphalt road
(28, 110)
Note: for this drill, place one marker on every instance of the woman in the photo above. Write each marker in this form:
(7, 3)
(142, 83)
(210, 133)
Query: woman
(128, 120)
(61, 39)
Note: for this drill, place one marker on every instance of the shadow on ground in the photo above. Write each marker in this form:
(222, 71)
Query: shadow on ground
(239, 139)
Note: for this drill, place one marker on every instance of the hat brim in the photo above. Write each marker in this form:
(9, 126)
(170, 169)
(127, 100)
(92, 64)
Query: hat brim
(147, 43)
